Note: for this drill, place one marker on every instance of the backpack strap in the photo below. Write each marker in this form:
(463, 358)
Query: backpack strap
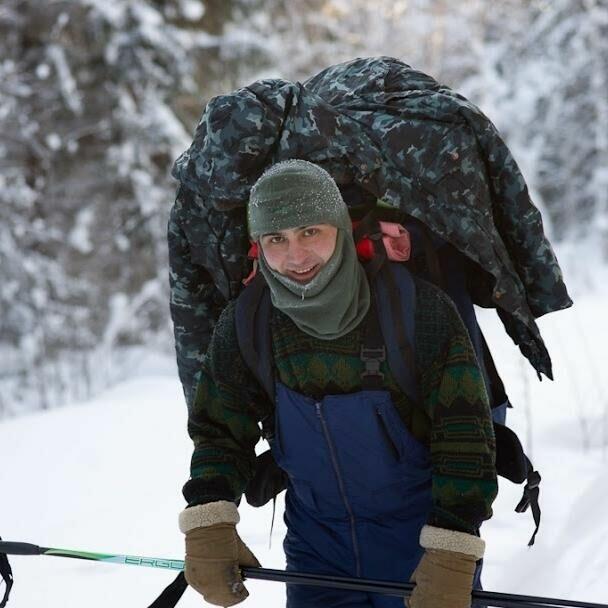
(395, 302)
(389, 332)
(373, 352)
(373, 348)
(253, 308)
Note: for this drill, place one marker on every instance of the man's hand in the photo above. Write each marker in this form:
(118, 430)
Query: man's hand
(214, 556)
(444, 579)
(444, 576)
(215, 553)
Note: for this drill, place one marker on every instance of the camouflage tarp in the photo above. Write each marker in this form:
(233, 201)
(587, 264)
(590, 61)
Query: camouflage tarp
(395, 132)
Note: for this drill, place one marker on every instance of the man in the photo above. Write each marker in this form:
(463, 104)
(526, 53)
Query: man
(379, 486)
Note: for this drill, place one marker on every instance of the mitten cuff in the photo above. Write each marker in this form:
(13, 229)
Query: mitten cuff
(202, 516)
(452, 540)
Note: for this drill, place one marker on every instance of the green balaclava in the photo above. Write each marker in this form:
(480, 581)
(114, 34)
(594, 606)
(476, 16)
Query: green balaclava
(296, 193)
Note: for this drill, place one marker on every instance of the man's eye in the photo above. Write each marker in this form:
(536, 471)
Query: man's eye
(311, 231)
(276, 239)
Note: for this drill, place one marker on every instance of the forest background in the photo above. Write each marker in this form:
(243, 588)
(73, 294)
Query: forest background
(98, 98)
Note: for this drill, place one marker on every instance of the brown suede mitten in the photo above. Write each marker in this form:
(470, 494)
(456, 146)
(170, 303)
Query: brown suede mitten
(444, 579)
(214, 555)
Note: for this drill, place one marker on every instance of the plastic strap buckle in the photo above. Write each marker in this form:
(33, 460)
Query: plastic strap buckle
(373, 357)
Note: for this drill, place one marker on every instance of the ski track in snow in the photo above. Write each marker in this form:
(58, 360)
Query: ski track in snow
(106, 476)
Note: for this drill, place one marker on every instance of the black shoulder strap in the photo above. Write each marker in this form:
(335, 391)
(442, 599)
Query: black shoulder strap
(253, 309)
(373, 352)
(395, 302)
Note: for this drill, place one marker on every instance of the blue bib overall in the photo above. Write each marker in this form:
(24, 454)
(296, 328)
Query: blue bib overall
(359, 492)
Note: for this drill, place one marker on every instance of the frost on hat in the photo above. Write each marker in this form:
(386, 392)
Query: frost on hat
(295, 193)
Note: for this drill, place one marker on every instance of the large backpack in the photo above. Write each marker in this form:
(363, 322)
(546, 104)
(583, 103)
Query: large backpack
(378, 127)
(389, 335)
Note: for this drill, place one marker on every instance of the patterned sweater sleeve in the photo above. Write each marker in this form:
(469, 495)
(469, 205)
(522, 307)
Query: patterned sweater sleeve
(463, 447)
(223, 421)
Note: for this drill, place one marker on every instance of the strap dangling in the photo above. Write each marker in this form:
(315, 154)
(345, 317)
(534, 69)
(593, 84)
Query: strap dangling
(274, 508)
(6, 574)
(172, 593)
(530, 499)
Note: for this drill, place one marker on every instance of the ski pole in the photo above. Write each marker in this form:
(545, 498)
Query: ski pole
(500, 600)
(11, 548)
(491, 598)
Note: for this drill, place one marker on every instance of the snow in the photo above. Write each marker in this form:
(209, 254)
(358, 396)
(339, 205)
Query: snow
(53, 141)
(69, 89)
(113, 12)
(192, 9)
(105, 475)
(80, 235)
(43, 71)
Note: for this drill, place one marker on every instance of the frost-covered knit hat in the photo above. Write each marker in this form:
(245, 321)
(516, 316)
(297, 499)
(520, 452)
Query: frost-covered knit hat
(295, 193)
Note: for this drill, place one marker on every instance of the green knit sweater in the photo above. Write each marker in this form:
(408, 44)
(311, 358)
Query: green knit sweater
(455, 420)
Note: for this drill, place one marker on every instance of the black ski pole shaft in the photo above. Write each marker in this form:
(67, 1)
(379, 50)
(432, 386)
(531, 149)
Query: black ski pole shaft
(542, 601)
(500, 600)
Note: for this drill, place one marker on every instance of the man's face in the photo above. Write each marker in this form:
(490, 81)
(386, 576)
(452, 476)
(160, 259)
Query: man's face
(300, 253)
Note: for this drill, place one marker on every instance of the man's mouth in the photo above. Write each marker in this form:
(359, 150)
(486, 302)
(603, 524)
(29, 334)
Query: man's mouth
(304, 274)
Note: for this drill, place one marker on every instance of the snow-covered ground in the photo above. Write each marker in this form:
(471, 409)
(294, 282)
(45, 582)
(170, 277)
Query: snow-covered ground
(106, 475)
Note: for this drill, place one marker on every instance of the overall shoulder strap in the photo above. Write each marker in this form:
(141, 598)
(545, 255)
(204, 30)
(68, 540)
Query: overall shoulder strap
(253, 309)
(395, 303)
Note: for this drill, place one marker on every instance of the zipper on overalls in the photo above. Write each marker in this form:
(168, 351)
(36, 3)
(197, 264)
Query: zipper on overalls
(334, 461)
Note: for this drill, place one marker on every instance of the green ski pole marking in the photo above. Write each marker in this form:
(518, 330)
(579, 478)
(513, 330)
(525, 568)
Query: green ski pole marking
(108, 558)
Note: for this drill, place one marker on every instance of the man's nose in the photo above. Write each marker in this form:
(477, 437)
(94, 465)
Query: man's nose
(297, 253)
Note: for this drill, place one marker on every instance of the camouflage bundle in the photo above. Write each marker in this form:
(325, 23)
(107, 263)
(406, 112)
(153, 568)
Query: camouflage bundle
(382, 129)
